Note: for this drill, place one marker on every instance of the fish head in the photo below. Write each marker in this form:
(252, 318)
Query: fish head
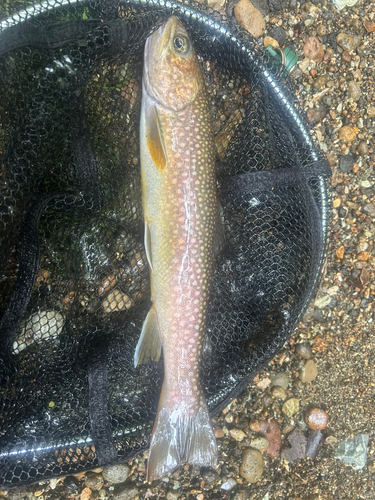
(172, 75)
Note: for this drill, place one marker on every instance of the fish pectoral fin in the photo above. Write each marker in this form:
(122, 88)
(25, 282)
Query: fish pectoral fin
(149, 344)
(148, 244)
(219, 237)
(154, 138)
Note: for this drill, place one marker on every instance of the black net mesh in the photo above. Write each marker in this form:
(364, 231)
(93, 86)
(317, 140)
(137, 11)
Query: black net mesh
(74, 287)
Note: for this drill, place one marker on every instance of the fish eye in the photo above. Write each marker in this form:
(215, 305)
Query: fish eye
(181, 44)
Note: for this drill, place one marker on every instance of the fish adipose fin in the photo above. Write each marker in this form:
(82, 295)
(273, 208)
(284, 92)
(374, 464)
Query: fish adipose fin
(155, 142)
(178, 437)
(149, 345)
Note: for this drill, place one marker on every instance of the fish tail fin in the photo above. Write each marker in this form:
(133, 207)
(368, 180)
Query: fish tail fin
(177, 437)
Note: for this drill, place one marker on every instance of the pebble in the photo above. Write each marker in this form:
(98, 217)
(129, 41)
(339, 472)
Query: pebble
(172, 495)
(127, 492)
(278, 393)
(250, 18)
(353, 451)
(322, 302)
(303, 349)
(369, 26)
(116, 474)
(316, 419)
(71, 483)
(297, 448)
(308, 372)
(354, 90)
(314, 443)
(290, 407)
(362, 148)
(341, 4)
(270, 41)
(219, 433)
(252, 465)
(237, 434)
(316, 115)
(94, 481)
(345, 41)
(280, 379)
(345, 56)
(321, 30)
(313, 49)
(260, 443)
(117, 301)
(210, 476)
(346, 163)
(347, 134)
(85, 494)
(278, 33)
(229, 484)
(271, 431)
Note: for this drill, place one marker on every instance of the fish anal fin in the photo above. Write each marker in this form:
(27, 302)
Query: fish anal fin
(149, 344)
(154, 138)
(219, 236)
(178, 437)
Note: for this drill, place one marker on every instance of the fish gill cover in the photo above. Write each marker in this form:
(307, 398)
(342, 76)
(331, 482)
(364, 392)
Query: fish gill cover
(74, 288)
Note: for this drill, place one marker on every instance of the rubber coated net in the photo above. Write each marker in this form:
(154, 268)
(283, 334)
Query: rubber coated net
(74, 287)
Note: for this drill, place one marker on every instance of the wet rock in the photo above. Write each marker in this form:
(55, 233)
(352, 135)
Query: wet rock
(313, 49)
(280, 379)
(252, 465)
(262, 6)
(229, 484)
(290, 407)
(172, 495)
(345, 56)
(369, 26)
(237, 434)
(353, 451)
(219, 433)
(346, 163)
(71, 483)
(362, 148)
(86, 493)
(270, 41)
(249, 18)
(94, 481)
(341, 4)
(297, 448)
(278, 33)
(316, 419)
(260, 443)
(345, 41)
(116, 474)
(308, 372)
(347, 134)
(210, 476)
(303, 349)
(316, 115)
(271, 431)
(275, 5)
(321, 30)
(127, 492)
(314, 443)
(322, 302)
(278, 393)
(354, 90)
(242, 494)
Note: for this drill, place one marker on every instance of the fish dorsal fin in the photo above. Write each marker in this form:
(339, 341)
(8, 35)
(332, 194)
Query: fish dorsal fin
(219, 236)
(154, 138)
(149, 345)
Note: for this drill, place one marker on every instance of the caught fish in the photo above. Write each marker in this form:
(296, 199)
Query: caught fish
(183, 229)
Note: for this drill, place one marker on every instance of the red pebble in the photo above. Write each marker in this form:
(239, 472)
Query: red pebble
(316, 419)
(270, 429)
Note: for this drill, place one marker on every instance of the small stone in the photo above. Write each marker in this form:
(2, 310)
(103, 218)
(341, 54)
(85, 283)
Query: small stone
(250, 18)
(270, 41)
(210, 476)
(264, 383)
(297, 448)
(219, 433)
(278, 393)
(340, 252)
(345, 56)
(371, 111)
(303, 349)
(260, 443)
(254, 425)
(321, 30)
(314, 443)
(369, 26)
(244, 495)
(127, 492)
(316, 115)
(308, 372)
(172, 495)
(237, 434)
(290, 407)
(252, 465)
(347, 134)
(94, 481)
(354, 90)
(322, 302)
(280, 379)
(316, 419)
(271, 431)
(229, 484)
(362, 148)
(278, 33)
(363, 256)
(353, 451)
(116, 474)
(85, 494)
(313, 49)
(346, 163)
(345, 41)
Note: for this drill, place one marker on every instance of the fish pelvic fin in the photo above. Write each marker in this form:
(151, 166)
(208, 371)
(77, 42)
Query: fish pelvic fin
(179, 437)
(149, 345)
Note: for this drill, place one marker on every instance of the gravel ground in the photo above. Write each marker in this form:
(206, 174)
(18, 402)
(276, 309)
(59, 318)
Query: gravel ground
(325, 370)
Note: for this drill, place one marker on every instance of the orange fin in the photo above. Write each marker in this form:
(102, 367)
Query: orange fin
(179, 437)
(155, 142)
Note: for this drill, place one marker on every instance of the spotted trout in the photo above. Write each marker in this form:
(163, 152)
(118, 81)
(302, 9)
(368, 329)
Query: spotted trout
(182, 230)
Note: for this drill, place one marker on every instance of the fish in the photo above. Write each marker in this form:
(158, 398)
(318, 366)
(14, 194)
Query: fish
(183, 233)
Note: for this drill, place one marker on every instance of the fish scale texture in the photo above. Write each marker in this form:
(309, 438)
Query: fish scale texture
(74, 288)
